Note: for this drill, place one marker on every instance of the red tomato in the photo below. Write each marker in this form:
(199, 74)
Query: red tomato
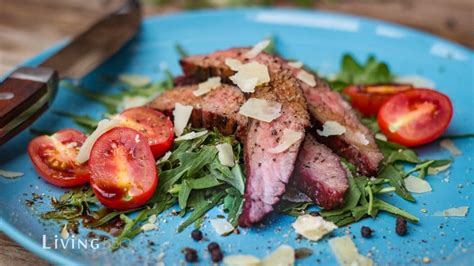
(415, 117)
(54, 158)
(123, 170)
(154, 125)
(368, 99)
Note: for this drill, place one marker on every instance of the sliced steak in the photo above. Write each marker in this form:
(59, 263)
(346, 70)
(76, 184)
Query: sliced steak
(267, 173)
(356, 145)
(217, 109)
(320, 174)
(318, 170)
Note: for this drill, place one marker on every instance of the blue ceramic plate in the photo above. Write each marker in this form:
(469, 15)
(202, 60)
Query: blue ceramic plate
(318, 39)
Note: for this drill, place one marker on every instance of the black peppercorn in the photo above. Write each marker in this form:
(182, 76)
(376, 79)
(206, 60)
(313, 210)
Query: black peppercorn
(216, 255)
(191, 257)
(213, 246)
(196, 234)
(401, 226)
(366, 232)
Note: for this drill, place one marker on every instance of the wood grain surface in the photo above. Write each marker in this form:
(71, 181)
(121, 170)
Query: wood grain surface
(29, 26)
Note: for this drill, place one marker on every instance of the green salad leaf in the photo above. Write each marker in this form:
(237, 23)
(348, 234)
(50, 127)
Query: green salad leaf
(355, 73)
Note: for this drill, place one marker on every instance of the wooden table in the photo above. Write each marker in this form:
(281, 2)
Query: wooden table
(29, 26)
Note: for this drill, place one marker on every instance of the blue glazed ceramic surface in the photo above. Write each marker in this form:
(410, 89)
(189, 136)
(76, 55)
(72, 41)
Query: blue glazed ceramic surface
(318, 39)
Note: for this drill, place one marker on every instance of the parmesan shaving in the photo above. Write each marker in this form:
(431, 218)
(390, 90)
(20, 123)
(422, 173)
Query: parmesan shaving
(261, 109)
(360, 138)
(245, 84)
(164, 158)
(226, 154)
(250, 75)
(241, 260)
(10, 174)
(295, 64)
(258, 48)
(221, 226)
(191, 135)
(313, 228)
(207, 86)
(346, 252)
(436, 170)
(417, 185)
(449, 145)
(134, 80)
(64, 232)
(456, 212)
(289, 138)
(331, 128)
(234, 64)
(380, 136)
(181, 114)
(306, 77)
(102, 127)
(284, 255)
(149, 227)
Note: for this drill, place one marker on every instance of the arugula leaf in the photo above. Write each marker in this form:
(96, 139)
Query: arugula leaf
(396, 179)
(233, 203)
(109, 101)
(114, 102)
(88, 123)
(233, 177)
(382, 205)
(207, 181)
(355, 73)
(422, 168)
(292, 208)
(129, 226)
(201, 210)
(184, 193)
(394, 152)
(181, 51)
(271, 48)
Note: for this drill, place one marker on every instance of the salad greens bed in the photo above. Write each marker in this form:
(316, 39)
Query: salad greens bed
(192, 179)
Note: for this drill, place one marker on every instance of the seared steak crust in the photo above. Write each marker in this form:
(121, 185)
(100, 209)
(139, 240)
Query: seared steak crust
(320, 174)
(318, 171)
(267, 173)
(357, 144)
(217, 109)
(323, 105)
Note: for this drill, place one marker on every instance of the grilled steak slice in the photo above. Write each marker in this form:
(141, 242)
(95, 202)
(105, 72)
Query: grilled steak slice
(356, 145)
(217, 109)
(318, 171)
(267, 173)
(320, 174)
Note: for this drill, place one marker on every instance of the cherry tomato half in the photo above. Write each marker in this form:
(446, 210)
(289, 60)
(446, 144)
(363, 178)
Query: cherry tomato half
(415, 117)
(54, 158)
(368, 99)
(157, 127)
(123, 170)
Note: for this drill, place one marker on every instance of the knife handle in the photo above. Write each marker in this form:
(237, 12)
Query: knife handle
(24, 95)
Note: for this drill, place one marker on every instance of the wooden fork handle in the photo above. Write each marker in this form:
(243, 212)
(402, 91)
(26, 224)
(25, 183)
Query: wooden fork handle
(23, 95)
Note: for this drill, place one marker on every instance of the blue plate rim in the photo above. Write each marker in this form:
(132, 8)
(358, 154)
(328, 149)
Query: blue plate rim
(57, 258)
